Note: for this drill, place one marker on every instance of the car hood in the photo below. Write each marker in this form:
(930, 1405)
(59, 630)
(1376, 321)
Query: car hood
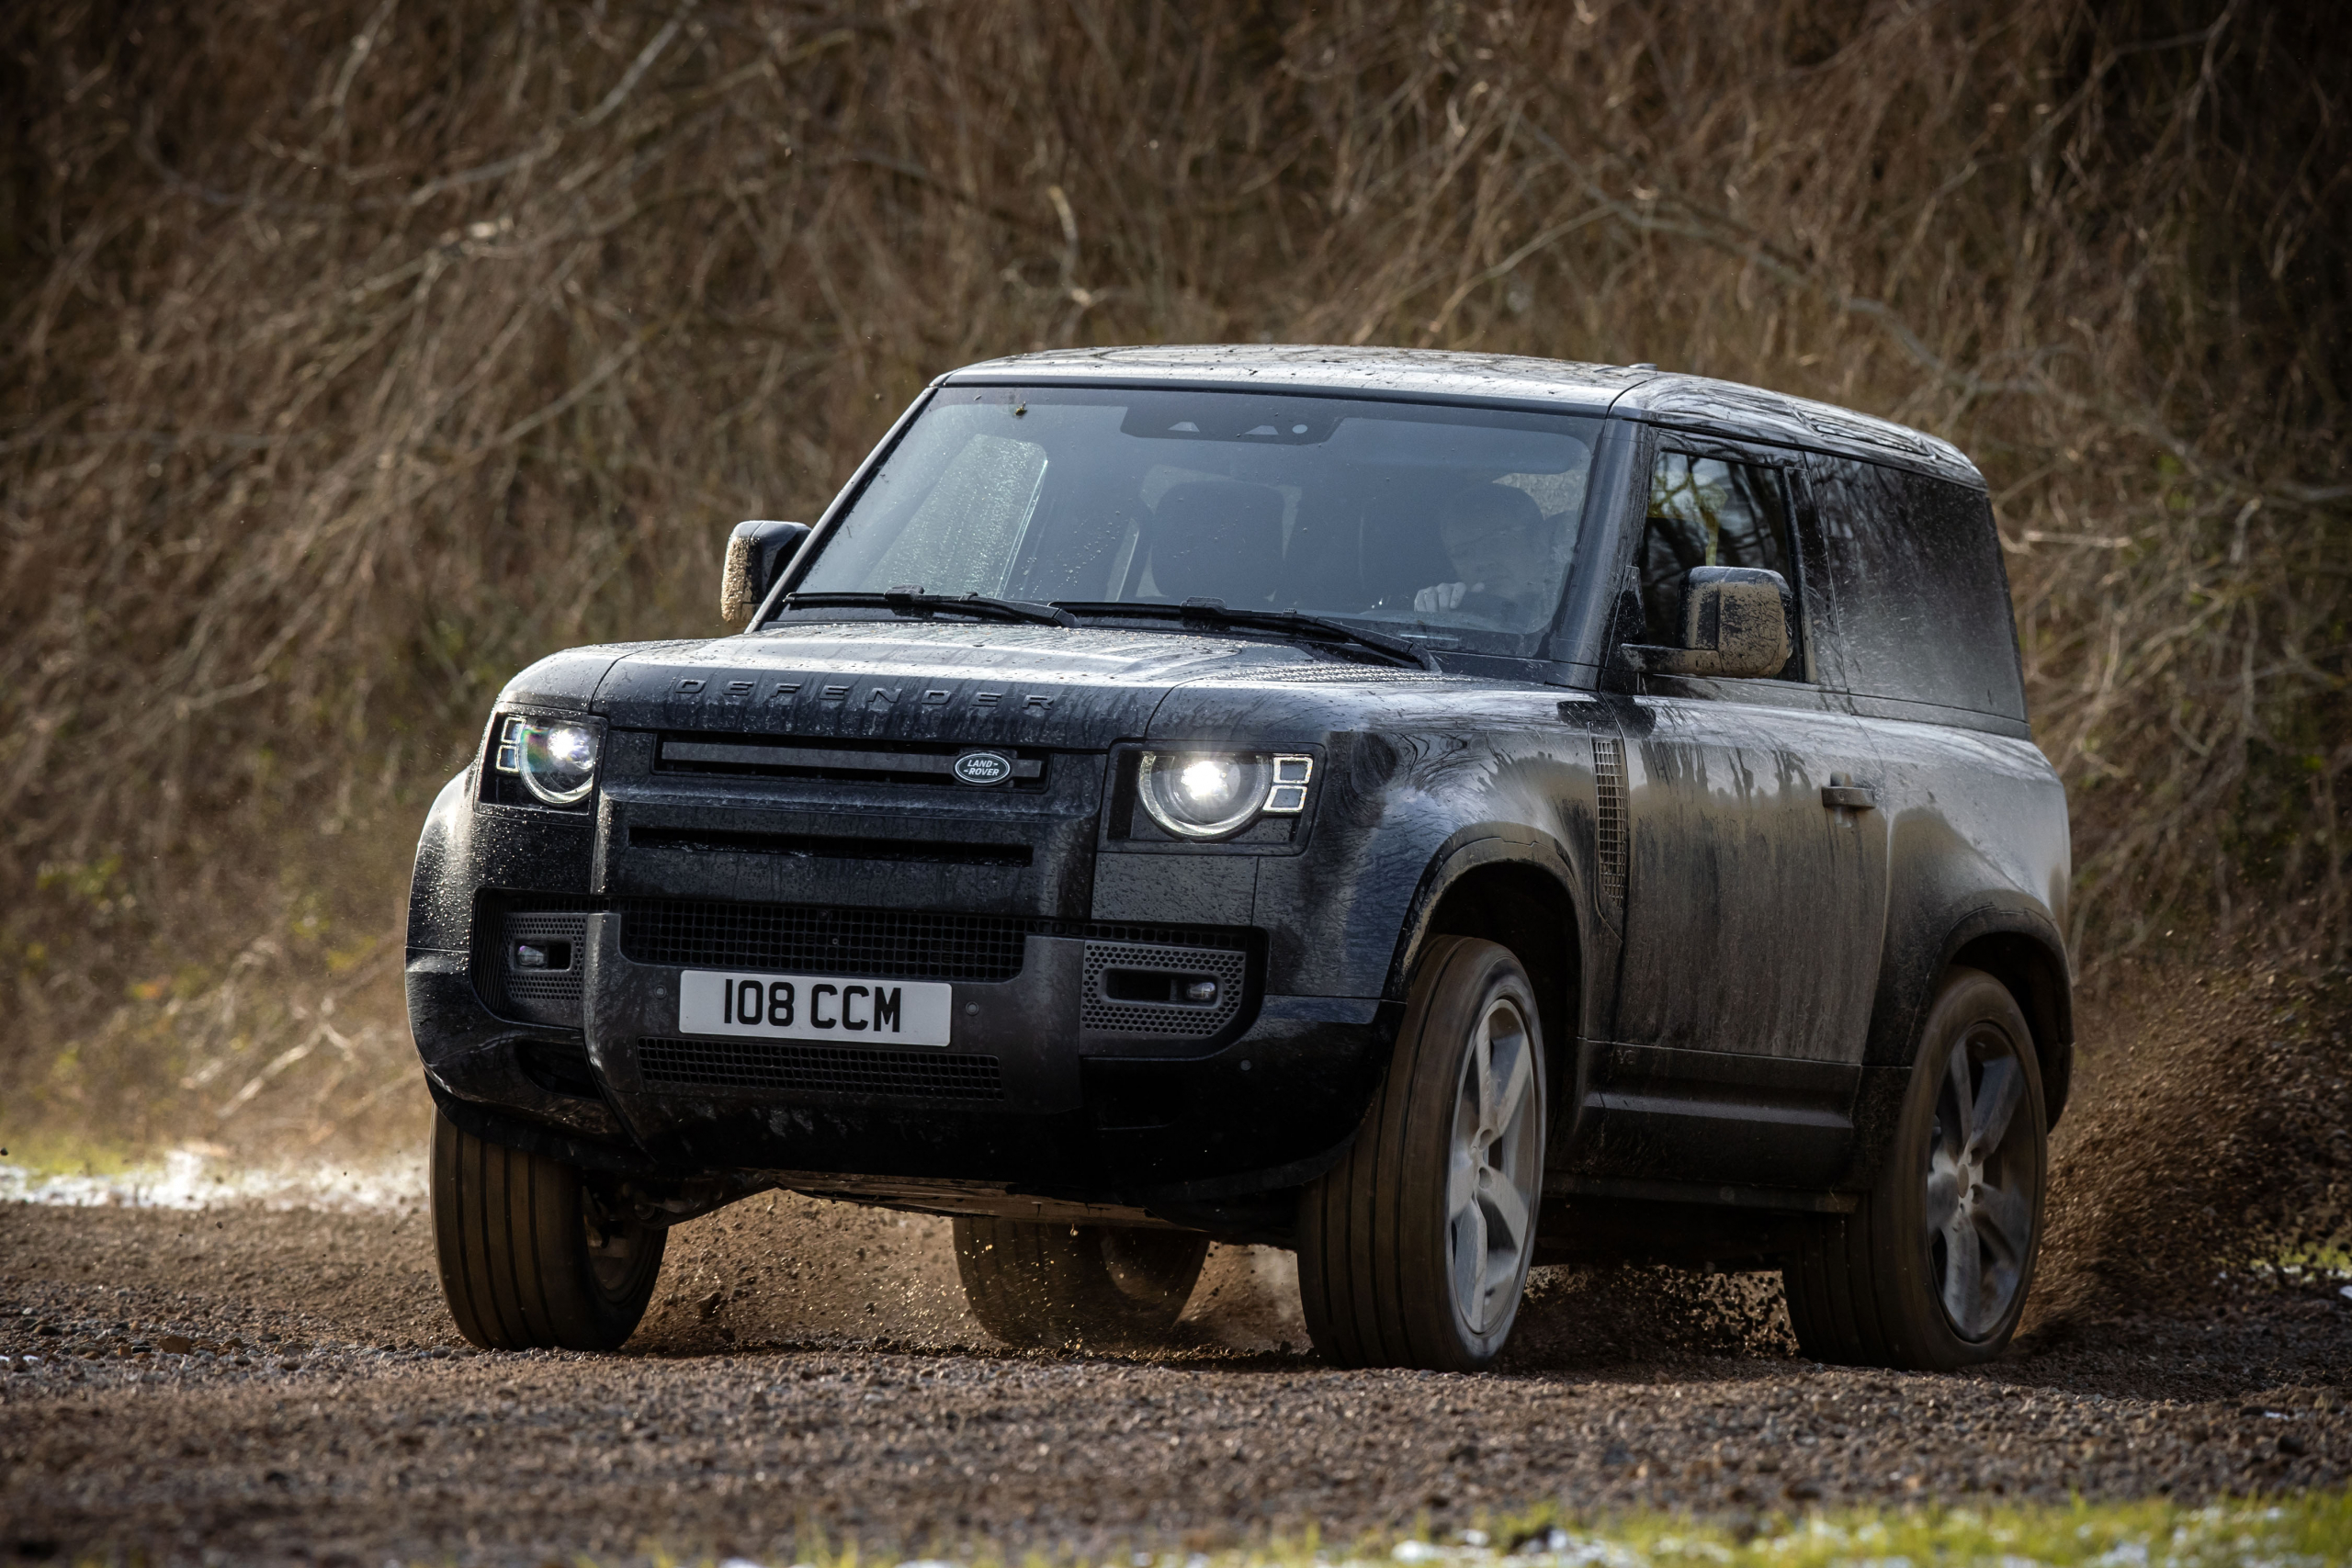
(989, 684)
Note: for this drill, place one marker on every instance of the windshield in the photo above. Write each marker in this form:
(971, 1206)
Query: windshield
(1456, 524)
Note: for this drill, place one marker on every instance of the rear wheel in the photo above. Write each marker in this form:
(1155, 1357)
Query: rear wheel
(1051, 1285)
(1931, 1269)
(1413, 1251)
(529, 1260)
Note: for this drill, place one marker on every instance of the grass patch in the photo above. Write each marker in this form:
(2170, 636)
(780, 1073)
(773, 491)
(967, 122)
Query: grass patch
(2312, 1528)
(42, 1151)
(2310, 1263)
(2305, 1530)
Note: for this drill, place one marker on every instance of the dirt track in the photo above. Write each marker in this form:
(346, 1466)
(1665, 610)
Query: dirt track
(809, 1364)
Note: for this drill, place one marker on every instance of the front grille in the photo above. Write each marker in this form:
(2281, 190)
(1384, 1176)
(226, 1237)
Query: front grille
(816, 846)
(703, 933)
(890, 945)
(894, 763)
(682, 1064)
(1102, 1013)
(887, 943)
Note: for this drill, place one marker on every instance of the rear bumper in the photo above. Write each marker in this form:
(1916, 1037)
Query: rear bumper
(1041, 1090)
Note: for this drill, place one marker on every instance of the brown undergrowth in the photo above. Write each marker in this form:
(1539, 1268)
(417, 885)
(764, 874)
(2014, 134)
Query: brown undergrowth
(356, 354)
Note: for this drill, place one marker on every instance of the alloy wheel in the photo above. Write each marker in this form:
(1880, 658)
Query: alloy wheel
(1980, 1184)
(1493, 1178)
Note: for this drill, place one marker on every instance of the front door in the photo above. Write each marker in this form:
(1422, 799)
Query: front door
(1755, 902)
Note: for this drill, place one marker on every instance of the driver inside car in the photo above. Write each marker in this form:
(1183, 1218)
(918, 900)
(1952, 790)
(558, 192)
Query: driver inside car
(1495, 535)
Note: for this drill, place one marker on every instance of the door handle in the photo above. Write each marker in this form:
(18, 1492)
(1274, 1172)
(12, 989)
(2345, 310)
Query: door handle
(1852, 797)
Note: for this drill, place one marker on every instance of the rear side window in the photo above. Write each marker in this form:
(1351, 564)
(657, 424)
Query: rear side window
(1708, 512)
(1914, 602)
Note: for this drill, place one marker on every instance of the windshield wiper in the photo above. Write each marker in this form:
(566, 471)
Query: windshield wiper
(1312, 629)
(915, 601)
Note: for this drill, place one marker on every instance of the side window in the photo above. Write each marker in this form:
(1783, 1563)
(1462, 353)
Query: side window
(1708, 512)
(1916, 602)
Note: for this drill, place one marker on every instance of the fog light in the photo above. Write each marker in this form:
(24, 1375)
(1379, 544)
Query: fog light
(1200, 990)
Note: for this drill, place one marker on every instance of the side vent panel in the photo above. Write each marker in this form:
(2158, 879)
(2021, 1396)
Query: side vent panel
(1609, 825)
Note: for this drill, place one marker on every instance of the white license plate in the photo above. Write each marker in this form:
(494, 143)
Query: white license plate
(815, 1007)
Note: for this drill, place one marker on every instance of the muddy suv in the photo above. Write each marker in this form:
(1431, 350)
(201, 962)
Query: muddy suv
(1440, 814)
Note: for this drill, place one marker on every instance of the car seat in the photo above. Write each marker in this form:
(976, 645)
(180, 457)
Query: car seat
(1218, 539)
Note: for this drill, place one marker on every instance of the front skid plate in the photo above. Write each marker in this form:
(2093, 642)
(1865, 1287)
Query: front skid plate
(955, 1199)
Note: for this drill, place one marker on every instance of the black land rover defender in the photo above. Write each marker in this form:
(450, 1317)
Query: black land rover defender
(1438, 813)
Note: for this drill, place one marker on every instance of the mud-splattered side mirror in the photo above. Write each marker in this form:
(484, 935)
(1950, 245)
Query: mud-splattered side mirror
(1734, 624)
(757, 553)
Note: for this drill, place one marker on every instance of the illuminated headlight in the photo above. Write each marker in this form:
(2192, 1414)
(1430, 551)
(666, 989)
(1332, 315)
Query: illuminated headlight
(1214, 794)
(556, 761)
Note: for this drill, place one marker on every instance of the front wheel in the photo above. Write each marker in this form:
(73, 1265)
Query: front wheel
(529, 1260)
(1413, 1251)
(1930, 1271)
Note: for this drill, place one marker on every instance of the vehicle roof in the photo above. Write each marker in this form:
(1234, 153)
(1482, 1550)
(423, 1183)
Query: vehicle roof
(1669, 398)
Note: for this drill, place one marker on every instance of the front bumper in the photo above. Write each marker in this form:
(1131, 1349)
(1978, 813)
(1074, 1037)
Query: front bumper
(1049, 1086)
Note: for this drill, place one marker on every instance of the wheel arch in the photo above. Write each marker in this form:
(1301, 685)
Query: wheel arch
(2016, 943)
(440, 914)
(2030, 960)
(1514, 886)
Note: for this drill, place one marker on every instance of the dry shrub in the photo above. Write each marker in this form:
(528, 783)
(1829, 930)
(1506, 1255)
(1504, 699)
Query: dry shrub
(356, 354)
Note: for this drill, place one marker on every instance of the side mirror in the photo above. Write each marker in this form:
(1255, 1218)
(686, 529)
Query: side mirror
(1734, 624)
(757, 553)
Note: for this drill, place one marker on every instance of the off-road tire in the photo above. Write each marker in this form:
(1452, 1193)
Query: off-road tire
(528, 1259)
(1376, 1233)
(1050, 1286)
(1868, 1288)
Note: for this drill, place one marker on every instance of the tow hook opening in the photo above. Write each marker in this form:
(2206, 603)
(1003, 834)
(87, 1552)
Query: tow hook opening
(1164, 986)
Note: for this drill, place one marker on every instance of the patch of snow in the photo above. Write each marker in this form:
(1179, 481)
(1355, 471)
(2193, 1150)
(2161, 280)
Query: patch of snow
(193, 1178)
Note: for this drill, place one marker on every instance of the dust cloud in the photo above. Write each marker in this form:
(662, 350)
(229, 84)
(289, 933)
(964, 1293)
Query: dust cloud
(786, 1269)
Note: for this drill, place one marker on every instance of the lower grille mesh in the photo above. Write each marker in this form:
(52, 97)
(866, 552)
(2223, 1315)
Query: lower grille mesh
(890, 945)
(735, 1064)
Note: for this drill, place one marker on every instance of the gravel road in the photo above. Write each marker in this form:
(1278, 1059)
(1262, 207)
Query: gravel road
(238, 1385)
